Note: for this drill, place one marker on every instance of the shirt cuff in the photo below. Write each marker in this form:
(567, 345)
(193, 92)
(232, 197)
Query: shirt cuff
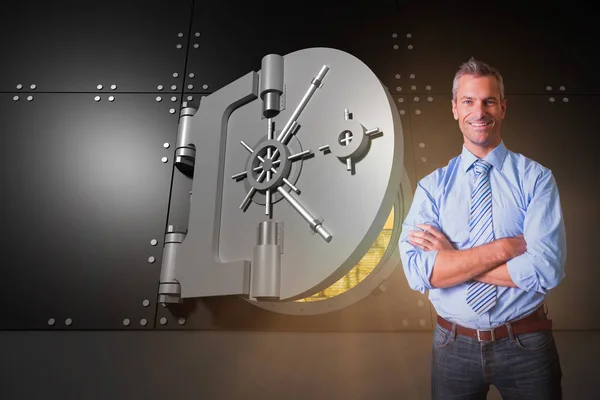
(427, 260)
(523, 274)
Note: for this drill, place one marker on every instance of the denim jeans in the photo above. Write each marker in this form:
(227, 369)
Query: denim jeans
(526, 367)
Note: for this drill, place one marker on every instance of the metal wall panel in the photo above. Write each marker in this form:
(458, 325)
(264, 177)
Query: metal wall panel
(539, 49)
(70, 46)
(101, 276)
(229, 40)
(84, 192)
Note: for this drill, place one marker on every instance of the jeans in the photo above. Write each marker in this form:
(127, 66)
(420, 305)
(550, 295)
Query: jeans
(526, 367)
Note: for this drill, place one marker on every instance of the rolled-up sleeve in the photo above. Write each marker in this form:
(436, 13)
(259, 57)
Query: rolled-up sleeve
(418, 263)
(541, 267)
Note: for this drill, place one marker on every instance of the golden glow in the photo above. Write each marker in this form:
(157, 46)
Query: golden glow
(361, 270)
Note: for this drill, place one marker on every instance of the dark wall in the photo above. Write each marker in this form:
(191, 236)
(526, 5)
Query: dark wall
(85, 190)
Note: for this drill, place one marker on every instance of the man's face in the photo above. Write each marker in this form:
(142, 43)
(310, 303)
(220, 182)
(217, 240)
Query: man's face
(479, 112)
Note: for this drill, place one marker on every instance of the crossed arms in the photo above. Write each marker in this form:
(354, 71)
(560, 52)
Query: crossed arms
(485, 263)
(533, 260)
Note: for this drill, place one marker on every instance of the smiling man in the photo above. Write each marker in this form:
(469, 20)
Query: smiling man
(485, 236)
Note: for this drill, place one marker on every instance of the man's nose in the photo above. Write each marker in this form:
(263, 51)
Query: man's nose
(479, 111)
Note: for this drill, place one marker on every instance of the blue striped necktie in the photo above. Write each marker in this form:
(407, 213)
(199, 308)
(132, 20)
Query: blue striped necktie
(481, 296)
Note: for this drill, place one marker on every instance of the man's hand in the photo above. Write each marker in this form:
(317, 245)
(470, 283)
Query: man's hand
(514, 246)
(429, 239)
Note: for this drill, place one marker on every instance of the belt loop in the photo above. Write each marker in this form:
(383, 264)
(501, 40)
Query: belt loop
(510, 331)
(453, 331)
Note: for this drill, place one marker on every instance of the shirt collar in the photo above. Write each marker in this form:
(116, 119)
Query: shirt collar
(495, 157)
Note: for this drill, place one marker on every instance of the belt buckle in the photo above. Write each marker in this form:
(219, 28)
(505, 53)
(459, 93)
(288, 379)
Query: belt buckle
(486, 330)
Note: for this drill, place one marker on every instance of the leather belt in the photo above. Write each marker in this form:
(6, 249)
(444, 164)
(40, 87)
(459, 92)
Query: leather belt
(536, 321)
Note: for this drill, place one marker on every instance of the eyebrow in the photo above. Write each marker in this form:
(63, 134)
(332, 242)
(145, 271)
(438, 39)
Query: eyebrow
(487, 98)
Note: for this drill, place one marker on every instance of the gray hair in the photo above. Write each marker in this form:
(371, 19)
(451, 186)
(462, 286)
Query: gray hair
(477, 68)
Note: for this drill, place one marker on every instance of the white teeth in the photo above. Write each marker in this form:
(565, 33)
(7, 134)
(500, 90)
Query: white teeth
(483, 124)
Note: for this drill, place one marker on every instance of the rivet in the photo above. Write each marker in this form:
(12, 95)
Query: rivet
(551, 99)
(172, 111)
(68, 321)
(427, 87)
(173, 87)
(99, 87)
(173, 98)
(166, 145)
(394, 35)
(181, 321)
(422, 322)
(113, 87)
(398, 88)
(405, 322)
(111, 98)
(190, 98)
(154, 242)
(562, 88)
(175, 75)
(29, 98)
(416, 98)
(408, 35)
(178, 46)
(421, 145)
(418, 112)
(413, 87)
(205, 86)
(402, 112)
(197, 34)
(196, 45)
(16, 98)
(565, 99)
(397, 76)
(548, 88)
(401, 100)
(151, 259)
(192, 75)
(180, 34)
(19, 86)
(410, 46)
(412, 76)
(160, 87)
(420, 303)
(97, 98)
(164, 159)
(158, 98)
(33, 86)
(143, 322)
(163, 321)
(424, 159)
(430, 99)
(396, 47)
(51, 321)
(146, 302)
(126, 322)
(190, 87)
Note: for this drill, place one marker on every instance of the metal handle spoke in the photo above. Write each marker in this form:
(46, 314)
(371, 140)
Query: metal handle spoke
(314, 223)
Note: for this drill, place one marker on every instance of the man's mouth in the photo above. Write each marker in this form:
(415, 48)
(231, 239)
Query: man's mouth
(480, 124)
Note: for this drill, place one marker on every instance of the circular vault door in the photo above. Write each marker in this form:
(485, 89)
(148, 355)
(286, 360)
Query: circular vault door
(329, 180)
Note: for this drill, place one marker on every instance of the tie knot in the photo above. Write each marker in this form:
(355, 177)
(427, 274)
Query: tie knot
(482, 167)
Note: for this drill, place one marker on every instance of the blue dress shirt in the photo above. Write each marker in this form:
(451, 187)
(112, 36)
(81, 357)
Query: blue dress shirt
(525, 200)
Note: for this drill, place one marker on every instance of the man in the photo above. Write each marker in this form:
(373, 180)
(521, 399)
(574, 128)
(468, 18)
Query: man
(485, 235)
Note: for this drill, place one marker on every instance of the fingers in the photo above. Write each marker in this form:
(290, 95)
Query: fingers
(429, 229)
(419, 242)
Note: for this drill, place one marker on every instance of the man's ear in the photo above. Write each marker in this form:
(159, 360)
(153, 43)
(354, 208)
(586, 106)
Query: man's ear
(454, 111)
(503, 105)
